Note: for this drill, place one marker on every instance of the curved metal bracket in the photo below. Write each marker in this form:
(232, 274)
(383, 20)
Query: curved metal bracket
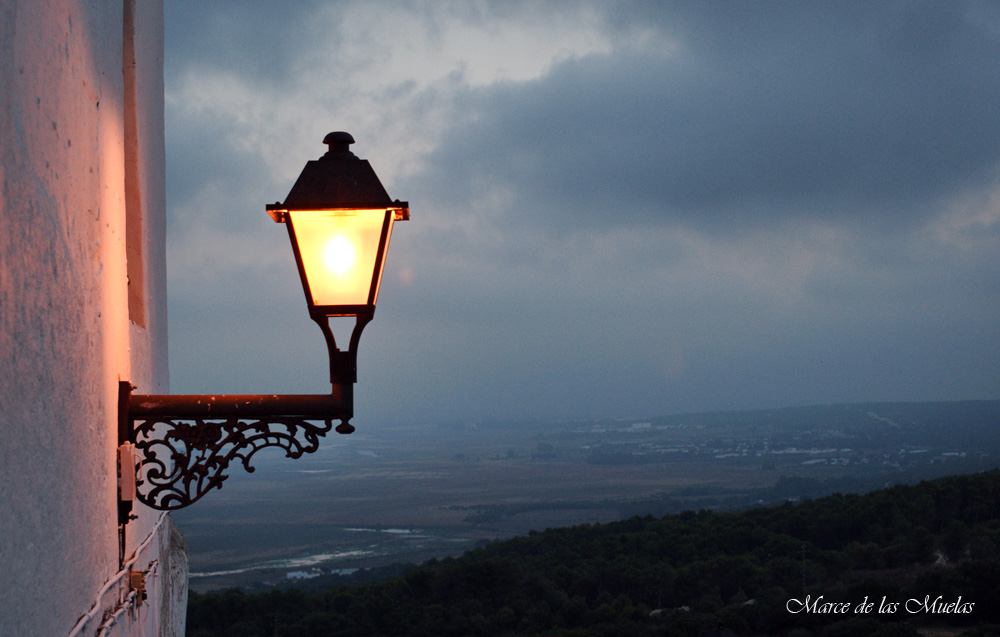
(183, 461)
(187, 443)
(343, 363)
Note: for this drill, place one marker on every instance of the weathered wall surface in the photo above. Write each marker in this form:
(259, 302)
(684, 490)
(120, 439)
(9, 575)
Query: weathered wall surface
(66, 334)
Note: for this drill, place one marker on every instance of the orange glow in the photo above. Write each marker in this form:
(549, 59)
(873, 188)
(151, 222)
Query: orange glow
(339, 250)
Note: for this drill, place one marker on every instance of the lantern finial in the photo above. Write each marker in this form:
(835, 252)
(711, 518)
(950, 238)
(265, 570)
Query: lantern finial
(338, 143)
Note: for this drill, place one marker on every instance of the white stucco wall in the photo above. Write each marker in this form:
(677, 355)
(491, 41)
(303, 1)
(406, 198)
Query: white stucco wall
(66, 337)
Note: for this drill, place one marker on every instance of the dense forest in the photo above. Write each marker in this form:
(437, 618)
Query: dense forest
(886, 563)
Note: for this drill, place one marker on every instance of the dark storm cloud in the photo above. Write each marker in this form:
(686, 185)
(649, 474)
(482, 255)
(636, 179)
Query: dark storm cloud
(748, 111)
(197, 159)
(247, 40)
(257, 37)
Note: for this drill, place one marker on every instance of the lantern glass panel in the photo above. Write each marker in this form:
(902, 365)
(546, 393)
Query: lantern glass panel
(340, 253)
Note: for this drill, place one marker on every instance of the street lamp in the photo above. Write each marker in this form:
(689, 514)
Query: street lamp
(175, 448)
(340, 219)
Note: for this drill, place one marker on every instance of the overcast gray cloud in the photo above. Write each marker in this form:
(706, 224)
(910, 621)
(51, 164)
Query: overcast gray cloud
(618, 209)
(729, 114)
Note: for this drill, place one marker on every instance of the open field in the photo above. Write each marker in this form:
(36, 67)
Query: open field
(384, 496)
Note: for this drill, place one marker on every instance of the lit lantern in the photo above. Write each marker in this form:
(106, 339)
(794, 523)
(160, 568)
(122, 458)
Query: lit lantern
(340, 219)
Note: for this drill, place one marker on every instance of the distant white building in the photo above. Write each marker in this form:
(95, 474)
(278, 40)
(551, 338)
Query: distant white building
(82, 306)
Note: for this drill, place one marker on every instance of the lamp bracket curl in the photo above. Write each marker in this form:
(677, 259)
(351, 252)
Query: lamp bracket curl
(184, 460)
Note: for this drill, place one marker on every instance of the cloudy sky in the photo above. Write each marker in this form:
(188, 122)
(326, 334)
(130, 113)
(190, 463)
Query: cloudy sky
(619, 209)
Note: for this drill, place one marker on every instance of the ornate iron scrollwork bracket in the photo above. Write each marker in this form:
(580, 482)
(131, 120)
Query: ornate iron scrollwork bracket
(183, 461)
(186, 444)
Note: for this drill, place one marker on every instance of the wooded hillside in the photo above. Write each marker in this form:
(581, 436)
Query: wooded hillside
(759, 572)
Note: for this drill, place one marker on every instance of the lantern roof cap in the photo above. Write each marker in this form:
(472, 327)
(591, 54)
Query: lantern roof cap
(338, 179)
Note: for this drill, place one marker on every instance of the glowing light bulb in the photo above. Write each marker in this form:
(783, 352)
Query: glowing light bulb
(339, 255)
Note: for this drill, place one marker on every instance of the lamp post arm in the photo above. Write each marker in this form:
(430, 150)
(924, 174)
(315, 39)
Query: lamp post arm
(185, 443)
(338, 405)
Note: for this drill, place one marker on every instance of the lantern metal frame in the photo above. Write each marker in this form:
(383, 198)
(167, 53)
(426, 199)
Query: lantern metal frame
(173, 449)
(340, 181)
